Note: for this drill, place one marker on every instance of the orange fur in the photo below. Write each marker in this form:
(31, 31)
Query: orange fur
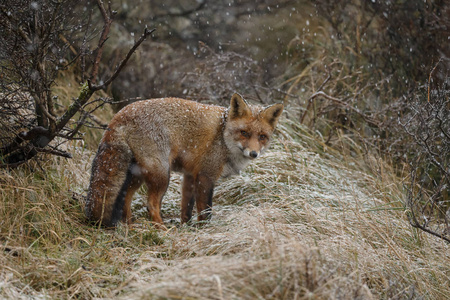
(148, 139)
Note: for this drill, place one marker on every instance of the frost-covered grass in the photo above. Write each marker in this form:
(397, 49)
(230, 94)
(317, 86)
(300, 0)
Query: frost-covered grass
(305, 221)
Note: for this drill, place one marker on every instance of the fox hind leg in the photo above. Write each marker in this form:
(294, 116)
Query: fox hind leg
(135, 184)
(122, 204)
(157, 181)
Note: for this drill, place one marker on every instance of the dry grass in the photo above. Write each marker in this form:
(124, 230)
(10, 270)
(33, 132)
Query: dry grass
(304, 222)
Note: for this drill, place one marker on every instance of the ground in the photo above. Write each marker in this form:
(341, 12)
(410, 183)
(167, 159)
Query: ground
(304, 221)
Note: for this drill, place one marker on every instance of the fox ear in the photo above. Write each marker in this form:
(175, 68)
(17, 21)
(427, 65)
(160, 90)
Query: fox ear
(238, 107)
(272, 113)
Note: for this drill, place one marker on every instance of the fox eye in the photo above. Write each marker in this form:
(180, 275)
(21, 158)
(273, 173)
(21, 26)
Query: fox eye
(262, 137)
(245, 133)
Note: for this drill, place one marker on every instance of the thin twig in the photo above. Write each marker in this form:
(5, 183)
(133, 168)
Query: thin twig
(310, 100)
(123, 62)
(429, 78)
(108, 19)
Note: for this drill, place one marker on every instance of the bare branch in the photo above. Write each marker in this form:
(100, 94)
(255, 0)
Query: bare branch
(341, 103)
(20, 31)
(36, 46)
(54, 152)
(123, 62)
(429, 78)
(108, 19)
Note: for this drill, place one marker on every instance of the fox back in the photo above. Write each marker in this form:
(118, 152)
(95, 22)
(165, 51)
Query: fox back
(148, 139)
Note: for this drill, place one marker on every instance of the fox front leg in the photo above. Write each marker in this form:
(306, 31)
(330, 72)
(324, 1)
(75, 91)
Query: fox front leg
(204, 188)
(187, 198)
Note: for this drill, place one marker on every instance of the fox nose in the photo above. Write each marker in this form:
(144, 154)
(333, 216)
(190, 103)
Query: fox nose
(253, 154)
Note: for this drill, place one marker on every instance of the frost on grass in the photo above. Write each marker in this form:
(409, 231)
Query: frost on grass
(303, 221)
(298, 223)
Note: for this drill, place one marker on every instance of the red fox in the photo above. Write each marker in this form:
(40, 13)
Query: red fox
(148, 139)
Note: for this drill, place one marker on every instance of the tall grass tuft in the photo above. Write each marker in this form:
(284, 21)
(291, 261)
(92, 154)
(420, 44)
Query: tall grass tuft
(305, 221)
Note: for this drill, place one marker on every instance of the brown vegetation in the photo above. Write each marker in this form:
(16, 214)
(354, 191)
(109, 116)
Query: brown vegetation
(305, 221)
(361, 155)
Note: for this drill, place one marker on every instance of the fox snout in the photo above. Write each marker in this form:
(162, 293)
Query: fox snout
(251, 153)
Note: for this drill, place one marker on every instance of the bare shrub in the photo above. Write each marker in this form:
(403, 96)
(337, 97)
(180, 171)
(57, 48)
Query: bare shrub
(206, 76)
(371, 62)
(38, 40)
(216, 74)
(428, 125)
(355, 72)
(400, 38)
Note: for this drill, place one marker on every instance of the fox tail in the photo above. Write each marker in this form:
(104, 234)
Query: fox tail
(112, 173)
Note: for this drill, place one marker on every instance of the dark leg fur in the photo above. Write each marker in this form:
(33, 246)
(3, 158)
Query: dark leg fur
(119, 203)
(204, 190)
(187, 198)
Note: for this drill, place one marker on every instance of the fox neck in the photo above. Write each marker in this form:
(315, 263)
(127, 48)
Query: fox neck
(234, 165)
(236, 161)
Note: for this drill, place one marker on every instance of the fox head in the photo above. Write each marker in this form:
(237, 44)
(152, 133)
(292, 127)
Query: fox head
(249, 128)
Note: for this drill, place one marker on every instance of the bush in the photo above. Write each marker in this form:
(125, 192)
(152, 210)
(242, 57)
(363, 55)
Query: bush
(37, 42)
(428, 125)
